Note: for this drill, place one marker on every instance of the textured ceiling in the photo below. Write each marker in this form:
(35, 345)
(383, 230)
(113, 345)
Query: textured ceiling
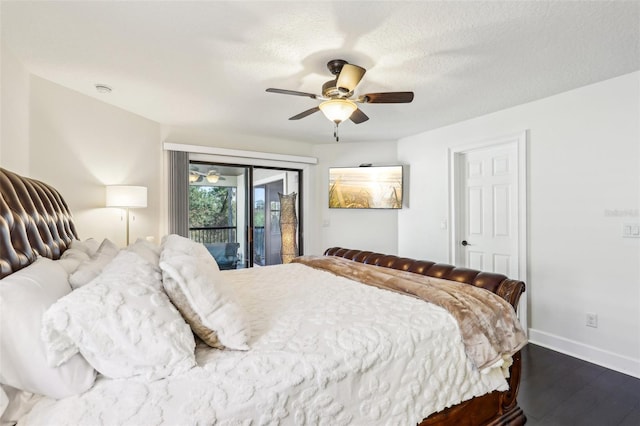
(206, 65)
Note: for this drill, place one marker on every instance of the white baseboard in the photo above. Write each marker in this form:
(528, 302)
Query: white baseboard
(588, 353)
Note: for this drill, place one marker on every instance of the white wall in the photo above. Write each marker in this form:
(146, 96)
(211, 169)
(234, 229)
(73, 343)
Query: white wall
(374, 230)
(220, 138)
(79, 144)
(14, 113)
(584, 162)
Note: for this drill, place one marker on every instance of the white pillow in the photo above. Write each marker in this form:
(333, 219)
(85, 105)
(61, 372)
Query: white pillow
(15, 404)
(122, 323)
(90, 269)
(147, 250)
(90, 246)
(72, 258)
(24, 296)
(186, 246)
(4, 401)
(194, 283)
(75, 253)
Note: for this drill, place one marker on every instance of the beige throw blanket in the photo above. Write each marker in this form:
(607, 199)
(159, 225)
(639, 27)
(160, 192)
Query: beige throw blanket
(488, 324)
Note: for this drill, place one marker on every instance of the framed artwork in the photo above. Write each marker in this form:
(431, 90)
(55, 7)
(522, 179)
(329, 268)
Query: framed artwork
(372, 187)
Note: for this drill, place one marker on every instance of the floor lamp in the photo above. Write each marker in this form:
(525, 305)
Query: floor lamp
(127, 197)
(288, 227)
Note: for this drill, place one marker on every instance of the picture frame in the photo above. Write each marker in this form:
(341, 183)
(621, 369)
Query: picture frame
(366, 187)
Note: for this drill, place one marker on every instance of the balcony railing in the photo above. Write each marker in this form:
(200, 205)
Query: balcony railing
(213, 234)
(228, 234)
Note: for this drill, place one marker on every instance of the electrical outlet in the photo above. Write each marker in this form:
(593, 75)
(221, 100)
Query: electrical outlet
(592, 320)
(631, 230)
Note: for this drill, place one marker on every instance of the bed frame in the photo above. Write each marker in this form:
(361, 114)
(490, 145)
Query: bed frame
(36, 221)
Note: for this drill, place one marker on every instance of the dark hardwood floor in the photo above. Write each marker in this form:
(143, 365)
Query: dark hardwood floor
(558, 390)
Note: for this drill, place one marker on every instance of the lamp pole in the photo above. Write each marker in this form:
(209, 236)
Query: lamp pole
(127, 226)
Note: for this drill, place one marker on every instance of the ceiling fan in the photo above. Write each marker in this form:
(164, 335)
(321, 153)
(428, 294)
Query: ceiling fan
(338, 104)
(212, 176)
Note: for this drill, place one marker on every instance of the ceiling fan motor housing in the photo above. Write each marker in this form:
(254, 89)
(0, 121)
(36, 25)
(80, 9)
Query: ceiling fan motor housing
(335, 66)
(330, 90)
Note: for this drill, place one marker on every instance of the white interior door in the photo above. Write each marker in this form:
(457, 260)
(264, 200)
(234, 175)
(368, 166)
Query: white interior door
(489, 225)
(489, 209)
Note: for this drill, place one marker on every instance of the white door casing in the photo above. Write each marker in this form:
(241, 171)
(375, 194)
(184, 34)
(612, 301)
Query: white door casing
(488, 208)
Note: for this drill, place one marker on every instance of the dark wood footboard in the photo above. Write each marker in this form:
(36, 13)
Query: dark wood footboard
(495, 408)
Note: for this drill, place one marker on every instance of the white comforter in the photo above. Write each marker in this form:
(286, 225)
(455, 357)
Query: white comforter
(324, 350)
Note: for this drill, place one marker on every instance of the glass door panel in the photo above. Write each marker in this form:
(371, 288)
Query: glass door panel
(218, 200)
(259, 201)
(266, 223)
(268, 183)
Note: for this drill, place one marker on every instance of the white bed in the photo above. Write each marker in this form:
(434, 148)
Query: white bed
(305, 365)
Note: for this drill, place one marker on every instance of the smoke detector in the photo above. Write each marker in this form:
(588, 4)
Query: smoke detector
(103, 88)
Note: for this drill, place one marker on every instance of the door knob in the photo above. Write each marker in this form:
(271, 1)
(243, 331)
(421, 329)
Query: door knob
(464, 243)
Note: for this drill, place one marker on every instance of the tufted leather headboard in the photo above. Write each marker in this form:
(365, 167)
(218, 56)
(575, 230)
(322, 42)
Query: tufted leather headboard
(34, 221)
(508, 289)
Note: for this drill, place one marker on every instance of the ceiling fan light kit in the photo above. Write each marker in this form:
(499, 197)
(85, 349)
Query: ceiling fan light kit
(338, 110)
(213, 176)
(336, 105)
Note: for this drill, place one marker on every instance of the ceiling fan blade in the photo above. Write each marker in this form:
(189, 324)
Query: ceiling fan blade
(349, 77)
(358, 116)
(387, 98)
(291, 92)
(303, 114)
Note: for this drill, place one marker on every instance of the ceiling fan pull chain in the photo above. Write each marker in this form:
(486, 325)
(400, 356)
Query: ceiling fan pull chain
(335, 132)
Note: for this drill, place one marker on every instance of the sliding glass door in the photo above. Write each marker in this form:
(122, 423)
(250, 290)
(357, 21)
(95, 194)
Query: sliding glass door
(234, 210)
(217, 211)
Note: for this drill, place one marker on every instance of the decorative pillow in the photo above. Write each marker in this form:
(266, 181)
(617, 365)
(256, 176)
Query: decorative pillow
(90, 269)
(72, 258)
(195, 285)
(24, 296)
(90, 246)
(122, 323)
(147, 250)
(184, 245)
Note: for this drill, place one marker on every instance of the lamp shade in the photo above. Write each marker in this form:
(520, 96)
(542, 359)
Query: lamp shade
(126, 196)
(338, 110)
(349, 77)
